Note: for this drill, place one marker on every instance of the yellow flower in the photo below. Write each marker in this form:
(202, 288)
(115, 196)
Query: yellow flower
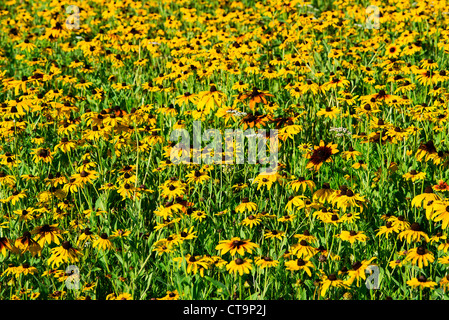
(265, 180)
(358, 271)
(236, 245)
(102, 242)
(420, 256)
(42, 154)
(386, 230)
(331, 281)
(414, 234)
(64, 253)
(352, 236)
(199, 215)
(171, 295)
(25, 269)
(299, 264)
(251, 221)
(266, 262)
(209, 100)
(47, 234)
(421, 282)
(301, 182)
(274, 234)
(246, 205)
(414, 175)
(239, 265)
(321, 153)
(303, 250)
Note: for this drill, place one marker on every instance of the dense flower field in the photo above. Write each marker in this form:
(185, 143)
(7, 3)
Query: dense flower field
(95, 203)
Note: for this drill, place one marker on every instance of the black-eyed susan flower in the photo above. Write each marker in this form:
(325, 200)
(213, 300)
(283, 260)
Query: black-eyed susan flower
(421, 282)
(426, 151)
(302, 183)
(240, 266)
(274, 234)
(197, 176)
(6, 246)
(194, 263)
(47, 234)
(172, 190)
(386, 230)
(302, 249)
(65, 253)
(236, 245)
(414, 234)
(103, 242)
(266, 262)
(321, 153)
(198, 215)
(209, 100)
(265, 180)
(255, 96)
(171, 295)
(444, 282)
(251, 221)
(351, 153)
(16, 196)
(420, 256)
(352, 236)
(299, 264)
(26, 243)
(424, 198)
(25, 269)
(349, 199)
(329, 112)
(324, 193)
(187, 234)
(330, 281)
(414, 175)
(309, 238)
(441, 213)
(400, 222)
(246, 205)
(357, 271)
(86, 236)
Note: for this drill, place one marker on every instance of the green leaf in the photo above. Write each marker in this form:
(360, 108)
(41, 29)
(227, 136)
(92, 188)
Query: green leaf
(217, 283)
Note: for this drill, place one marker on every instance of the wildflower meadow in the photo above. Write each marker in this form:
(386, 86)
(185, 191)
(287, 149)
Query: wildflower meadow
(224, 150)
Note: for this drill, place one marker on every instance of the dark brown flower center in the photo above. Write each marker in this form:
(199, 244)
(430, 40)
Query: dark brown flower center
(421, 250)
(422, 278)
(44, 153)
(237, 243)
(66, 245)
(356, 265)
